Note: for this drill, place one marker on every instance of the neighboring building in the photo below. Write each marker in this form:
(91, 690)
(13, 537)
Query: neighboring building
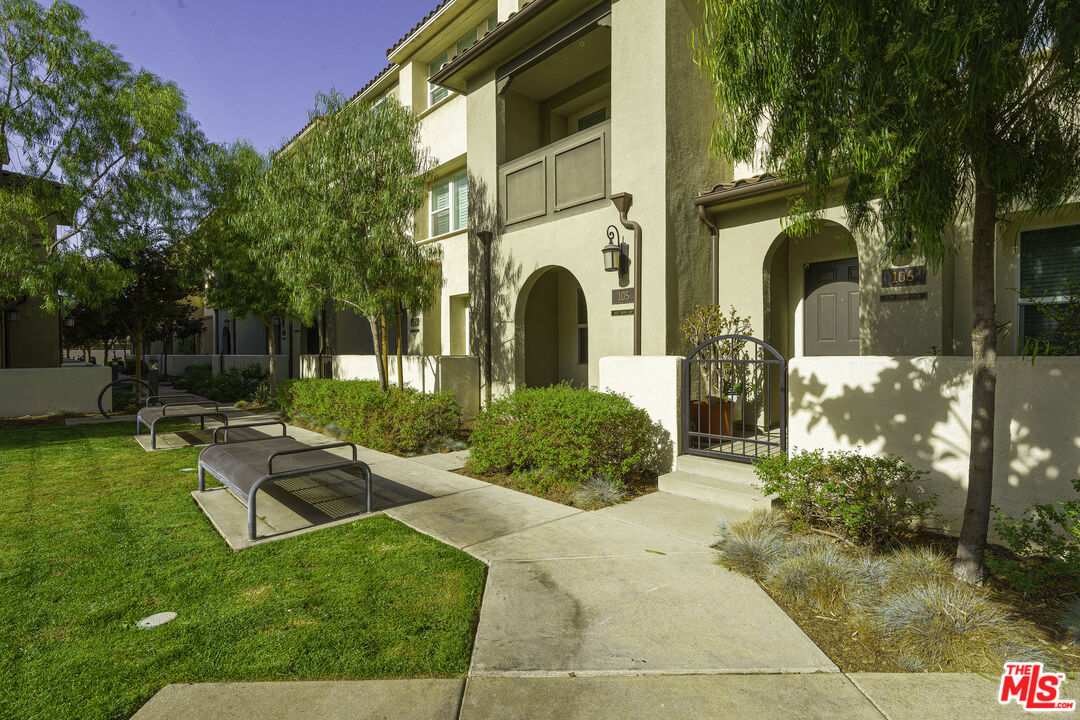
(29, 336)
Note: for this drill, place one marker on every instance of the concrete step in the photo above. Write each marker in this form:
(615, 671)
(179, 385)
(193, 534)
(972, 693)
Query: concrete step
(713, 490)
(721, 469)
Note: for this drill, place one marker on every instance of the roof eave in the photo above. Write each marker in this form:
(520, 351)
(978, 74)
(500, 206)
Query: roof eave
(743, 192)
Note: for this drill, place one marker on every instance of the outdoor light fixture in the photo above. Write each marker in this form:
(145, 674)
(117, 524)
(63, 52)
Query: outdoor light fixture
(12, 316)
(69, 322)
(614, 251)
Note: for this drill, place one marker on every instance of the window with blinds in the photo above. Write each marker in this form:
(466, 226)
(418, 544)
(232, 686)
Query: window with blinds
(450, 205)
(435, 92)
(1048, 257)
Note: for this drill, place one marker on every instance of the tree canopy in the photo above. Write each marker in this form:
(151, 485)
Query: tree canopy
(89, 138)
(336, 207)
(921, 116)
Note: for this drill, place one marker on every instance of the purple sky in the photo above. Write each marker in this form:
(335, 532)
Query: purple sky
(251, 68)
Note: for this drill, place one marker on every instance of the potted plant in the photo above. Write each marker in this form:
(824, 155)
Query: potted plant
(717, 387)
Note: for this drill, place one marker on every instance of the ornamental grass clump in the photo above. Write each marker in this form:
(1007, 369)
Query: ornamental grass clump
(572, 433)
(753, 545)
(598, 492)
(948, 627)
(909, 566)
(821, 577)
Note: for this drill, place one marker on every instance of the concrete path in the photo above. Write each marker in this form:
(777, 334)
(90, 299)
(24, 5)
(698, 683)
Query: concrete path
(859, 696)
(617, 613)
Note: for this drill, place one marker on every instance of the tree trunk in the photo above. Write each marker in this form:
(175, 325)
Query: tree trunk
(271, 344)
(400, 379)
(376, 335)
(138, 360)
(385, 351)
(969, 553)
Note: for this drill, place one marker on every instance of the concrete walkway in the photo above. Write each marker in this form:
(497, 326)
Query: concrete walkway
(858, 696)
(617, 613)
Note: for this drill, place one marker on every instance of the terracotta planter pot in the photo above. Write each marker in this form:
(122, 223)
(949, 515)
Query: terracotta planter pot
(713, 418)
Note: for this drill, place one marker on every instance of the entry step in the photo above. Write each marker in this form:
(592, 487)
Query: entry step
(719, 482)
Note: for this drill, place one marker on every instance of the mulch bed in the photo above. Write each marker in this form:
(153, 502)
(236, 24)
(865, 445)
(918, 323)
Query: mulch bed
(562, 493)
(853, 651)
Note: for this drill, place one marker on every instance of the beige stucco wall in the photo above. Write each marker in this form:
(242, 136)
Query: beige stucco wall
(34, 340)
(458, 374)
(661, 116)
(762, 276)
(43, 391)
(920, 409)
(654, 384)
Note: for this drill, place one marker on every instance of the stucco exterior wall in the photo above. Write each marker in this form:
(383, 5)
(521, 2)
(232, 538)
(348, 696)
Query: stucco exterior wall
(920, 409)
(43, 391)
(654, 384)
(34, 340)
(459, 375)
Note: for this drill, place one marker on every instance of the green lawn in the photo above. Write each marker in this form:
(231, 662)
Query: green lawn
(96, 534)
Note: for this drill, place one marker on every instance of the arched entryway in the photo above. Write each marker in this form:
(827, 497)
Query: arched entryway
(552, 330)
(811, 296)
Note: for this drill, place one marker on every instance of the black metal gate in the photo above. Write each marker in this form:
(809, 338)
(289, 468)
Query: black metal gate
(734, 399)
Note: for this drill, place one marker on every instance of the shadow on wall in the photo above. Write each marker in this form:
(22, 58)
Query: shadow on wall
(484, 214)
(920, 409)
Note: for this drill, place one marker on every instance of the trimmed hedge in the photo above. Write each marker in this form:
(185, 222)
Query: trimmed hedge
(398, 420)
(234, 384)
(575, 434)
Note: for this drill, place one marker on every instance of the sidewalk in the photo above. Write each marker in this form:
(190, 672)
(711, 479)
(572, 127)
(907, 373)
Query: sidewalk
(617, 613)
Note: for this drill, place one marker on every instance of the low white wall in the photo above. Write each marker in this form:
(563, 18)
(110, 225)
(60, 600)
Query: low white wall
(175, 365)
(460, 374)
(43, 391)
(920, 409)
(654, 384)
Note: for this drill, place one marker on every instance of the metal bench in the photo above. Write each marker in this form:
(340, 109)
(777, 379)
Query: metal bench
(173, 408)
(245, 465)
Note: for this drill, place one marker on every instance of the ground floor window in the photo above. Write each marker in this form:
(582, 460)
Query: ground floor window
(1049, 276)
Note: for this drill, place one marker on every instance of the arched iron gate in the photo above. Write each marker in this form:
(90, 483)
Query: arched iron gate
(734, 399)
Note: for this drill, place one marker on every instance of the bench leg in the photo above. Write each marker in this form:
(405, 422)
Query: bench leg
(251, 516)
(367, 481)
(202, 422)
(153, 435)
(202, 478)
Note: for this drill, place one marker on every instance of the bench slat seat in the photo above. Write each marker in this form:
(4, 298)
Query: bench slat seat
(245, 465)
(150, 415)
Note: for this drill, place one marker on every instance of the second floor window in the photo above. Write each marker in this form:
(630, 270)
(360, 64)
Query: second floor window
(450, 205)
(435, 92)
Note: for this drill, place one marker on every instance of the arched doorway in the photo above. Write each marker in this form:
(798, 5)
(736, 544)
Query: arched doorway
(553, 330)
(811, 294)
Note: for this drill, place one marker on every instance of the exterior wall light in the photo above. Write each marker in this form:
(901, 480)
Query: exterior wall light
(614, 252)
(13, 316)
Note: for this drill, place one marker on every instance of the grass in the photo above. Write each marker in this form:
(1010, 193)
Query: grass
(96, 534)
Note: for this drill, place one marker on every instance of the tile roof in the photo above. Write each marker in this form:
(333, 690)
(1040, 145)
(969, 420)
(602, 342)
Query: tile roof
(418, 25)
(378, 76)
(743, 182)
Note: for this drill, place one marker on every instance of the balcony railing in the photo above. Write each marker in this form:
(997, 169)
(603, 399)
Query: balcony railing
(567, 173)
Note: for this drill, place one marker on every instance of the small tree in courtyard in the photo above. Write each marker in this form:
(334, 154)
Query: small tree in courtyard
(337, 207)
(931, 114)
(231, 253)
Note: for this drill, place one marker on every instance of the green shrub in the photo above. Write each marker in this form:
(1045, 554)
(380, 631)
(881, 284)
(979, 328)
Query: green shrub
(569, 432)
(396, 420)
(862, 498)
(234, 384)
(1045, 546)
(821, 577)
(946, 626)
(753, 545)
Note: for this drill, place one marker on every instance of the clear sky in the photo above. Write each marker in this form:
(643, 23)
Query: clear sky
(251, 68)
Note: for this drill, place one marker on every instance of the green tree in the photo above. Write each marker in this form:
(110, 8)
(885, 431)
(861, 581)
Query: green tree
(89, 136)
(230, 252)
(337, 207)
(928, 115)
